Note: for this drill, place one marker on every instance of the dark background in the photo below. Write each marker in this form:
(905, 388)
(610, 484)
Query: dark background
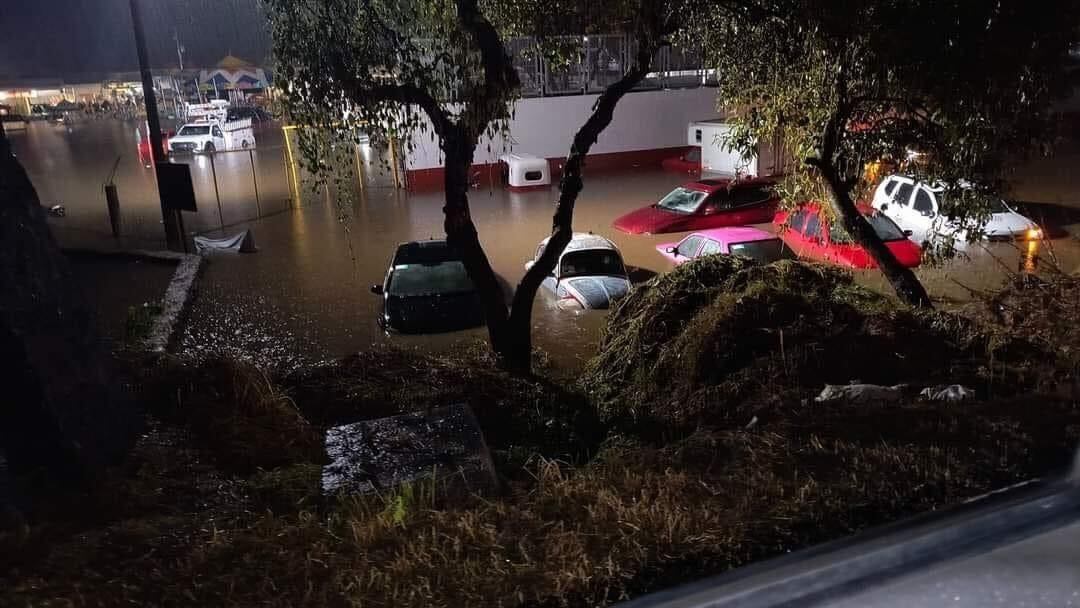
(71, 38)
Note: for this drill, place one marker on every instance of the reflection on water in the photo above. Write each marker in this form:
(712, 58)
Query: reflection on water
(307, 290)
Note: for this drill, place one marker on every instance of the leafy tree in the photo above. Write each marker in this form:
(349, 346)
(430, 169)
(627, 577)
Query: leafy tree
(393, 68)
(966, 84)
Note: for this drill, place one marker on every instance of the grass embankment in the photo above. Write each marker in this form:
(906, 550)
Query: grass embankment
(665, 481)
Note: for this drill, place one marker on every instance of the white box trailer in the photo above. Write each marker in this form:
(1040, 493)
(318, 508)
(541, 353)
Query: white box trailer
(711, 136)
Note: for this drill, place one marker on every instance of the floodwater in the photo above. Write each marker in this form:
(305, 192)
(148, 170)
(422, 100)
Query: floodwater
(305, 295)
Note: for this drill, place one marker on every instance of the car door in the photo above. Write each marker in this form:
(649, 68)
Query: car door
(710, 247)
(688, 248)
(219, 138)
(752, 204)
(898, 207)
(921, 213)
(792, 232)
(815, 245)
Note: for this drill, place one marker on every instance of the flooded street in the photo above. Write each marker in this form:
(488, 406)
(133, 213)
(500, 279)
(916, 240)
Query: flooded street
(306, 292)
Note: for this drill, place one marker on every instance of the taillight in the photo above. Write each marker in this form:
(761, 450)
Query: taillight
(569, 302)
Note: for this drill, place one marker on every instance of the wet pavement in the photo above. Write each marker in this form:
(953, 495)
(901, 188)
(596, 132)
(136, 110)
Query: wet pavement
(305, 294)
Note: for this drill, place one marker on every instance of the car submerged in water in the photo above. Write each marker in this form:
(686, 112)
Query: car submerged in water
(589, 275)
(427, 290)
(758, 245)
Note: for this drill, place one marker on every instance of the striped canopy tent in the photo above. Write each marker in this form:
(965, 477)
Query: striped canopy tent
(233, 73)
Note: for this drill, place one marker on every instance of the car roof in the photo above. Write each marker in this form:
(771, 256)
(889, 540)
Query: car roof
(736, 234)
(424, 252)
(711, 185)
(585, 240)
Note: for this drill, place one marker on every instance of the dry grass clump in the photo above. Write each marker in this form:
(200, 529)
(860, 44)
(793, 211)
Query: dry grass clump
(718, 337)
(237, 414)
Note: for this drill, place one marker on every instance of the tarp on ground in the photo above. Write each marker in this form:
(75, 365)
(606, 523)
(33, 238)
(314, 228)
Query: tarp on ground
(243, 242)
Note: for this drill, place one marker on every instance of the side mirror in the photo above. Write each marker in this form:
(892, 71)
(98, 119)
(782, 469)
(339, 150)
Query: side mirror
(884, 206)
(908, 233)
(709, 210)
(377, 290)
(672, 250)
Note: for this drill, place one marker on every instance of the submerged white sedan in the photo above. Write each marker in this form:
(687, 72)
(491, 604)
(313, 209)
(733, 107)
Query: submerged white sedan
(589, 275)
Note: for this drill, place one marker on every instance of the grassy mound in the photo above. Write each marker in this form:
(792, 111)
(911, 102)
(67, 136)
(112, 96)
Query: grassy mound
(235, 413)
(718, 338)
(1045, 310)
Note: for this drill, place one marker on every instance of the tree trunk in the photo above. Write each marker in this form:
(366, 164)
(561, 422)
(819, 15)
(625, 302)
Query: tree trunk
(570, 186)
(903, 279)
(461, 235)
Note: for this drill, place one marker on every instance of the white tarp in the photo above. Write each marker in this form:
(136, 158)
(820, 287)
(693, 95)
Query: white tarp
(243, 242)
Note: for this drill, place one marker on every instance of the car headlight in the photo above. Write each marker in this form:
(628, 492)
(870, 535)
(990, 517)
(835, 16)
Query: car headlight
(1034, 233)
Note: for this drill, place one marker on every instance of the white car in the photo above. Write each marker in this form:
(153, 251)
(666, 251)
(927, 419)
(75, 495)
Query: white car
(916, 207)
(213, 136)
(590, 273)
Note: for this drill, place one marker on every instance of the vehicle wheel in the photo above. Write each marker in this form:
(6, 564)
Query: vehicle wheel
(209, 149)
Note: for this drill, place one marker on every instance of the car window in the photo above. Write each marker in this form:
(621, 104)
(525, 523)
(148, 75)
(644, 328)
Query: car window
(796, 221)
(710, 247)
(427, 279)
(682, 200)
(886, 229)
(193, 130)
(591, 262)
(923, 203)
(903, 194)
(740, 197)
(689, 246)
(765, 251)
(813, 226)
(217, 132)
(890, 185)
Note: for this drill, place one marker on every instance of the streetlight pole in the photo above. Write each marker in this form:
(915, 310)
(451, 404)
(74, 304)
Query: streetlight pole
(173, 236)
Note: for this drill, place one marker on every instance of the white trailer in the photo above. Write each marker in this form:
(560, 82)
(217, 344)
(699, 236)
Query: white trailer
(712, 136)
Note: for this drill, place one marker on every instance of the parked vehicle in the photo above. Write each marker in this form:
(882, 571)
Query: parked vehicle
(216, 110)
(211, 136)
(917, 207)
(758, 245)
(705, 204)
(590, 274)
(811, 235)
(687, 162)
(254, 113)
(426, 290)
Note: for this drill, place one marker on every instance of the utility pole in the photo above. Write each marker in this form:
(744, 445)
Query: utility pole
(174, 239)
(179, 49)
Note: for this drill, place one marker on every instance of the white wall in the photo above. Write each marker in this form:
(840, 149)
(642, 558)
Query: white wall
(545, 126)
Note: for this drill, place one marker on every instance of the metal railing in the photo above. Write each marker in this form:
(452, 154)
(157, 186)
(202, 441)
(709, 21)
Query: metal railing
(599, 61)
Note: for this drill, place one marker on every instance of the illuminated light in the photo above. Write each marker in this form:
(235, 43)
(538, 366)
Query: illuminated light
(33, 92)
(4, 95)
(1034, 234)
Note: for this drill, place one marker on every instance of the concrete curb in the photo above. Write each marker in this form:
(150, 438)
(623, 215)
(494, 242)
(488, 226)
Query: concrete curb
(175, 303)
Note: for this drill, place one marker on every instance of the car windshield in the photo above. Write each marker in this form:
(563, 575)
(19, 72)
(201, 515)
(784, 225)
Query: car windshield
(194, 130)
(886, 229)
(769, 250)
(592, 262)
(427, 279)
(682, 200)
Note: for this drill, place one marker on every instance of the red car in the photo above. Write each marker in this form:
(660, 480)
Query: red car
(810, 234)
(705, 204)
(687, 162)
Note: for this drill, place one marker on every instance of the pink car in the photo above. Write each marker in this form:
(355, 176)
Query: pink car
(742, 240)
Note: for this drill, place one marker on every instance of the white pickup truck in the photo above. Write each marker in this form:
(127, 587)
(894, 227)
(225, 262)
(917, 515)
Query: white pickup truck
(213, 136)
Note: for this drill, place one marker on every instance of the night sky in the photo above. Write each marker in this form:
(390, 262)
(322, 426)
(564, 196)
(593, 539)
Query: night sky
(68, 38)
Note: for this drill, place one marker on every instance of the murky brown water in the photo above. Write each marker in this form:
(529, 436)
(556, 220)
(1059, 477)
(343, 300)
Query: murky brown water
(305, 293)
